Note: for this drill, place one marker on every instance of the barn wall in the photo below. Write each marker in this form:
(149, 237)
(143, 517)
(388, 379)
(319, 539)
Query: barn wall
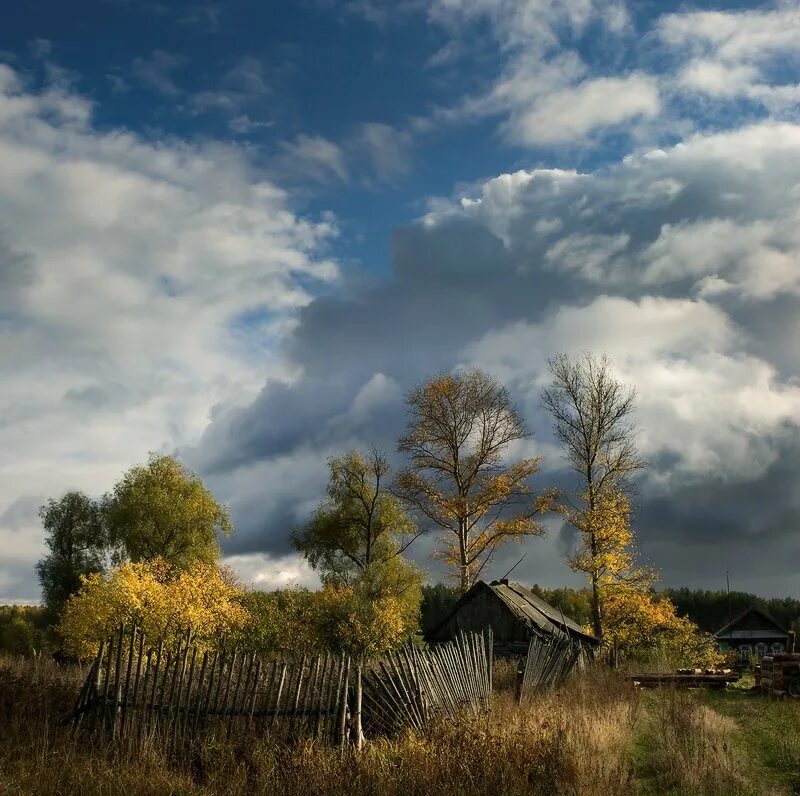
(484, 609)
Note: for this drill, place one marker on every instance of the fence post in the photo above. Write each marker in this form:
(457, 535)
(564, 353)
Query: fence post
(357, 713)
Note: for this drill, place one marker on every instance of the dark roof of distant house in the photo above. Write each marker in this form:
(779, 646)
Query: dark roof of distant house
(526, 606)
(770, 629)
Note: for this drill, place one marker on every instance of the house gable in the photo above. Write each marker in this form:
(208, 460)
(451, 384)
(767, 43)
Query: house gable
(752, 623)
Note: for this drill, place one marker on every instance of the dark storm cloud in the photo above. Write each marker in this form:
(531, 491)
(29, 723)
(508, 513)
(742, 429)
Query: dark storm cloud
(528, 267)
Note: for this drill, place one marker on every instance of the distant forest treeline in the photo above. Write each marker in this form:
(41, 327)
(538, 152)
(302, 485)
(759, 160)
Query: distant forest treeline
(24, 629)
(710, 610)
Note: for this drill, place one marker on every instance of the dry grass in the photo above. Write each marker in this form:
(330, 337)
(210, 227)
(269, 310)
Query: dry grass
(596, 735)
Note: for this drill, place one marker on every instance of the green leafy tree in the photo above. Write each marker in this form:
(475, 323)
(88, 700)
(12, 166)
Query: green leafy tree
(437, 602)
(164, 510)
(77, 541)
(357, 537)
(24, 629)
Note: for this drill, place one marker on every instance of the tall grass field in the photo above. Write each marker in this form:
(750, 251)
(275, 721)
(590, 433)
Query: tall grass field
(594, 735)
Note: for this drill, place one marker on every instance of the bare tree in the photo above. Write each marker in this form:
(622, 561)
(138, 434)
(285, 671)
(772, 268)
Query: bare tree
(593, 421)
(459, 429)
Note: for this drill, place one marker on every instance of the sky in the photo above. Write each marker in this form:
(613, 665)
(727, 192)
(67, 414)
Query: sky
(241, 232)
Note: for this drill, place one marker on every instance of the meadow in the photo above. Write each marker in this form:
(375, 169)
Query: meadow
(594, 735)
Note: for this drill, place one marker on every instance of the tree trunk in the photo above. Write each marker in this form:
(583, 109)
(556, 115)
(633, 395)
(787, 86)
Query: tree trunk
(597, 621)
(462, 542)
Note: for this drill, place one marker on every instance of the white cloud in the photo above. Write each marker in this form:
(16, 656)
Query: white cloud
(142, 284)
(568, 114)
(157, 71)
(266, 573)
(732, 200)
(386, 148)
(710, 407)
(311, 157)
(748, 53)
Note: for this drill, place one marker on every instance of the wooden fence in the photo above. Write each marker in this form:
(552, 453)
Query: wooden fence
(135, 689)
(138, 689)
(548, 663)
(411, 687)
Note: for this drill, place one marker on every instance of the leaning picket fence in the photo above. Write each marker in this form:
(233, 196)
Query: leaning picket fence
(414, 686)
(549, 662)
(136, 689)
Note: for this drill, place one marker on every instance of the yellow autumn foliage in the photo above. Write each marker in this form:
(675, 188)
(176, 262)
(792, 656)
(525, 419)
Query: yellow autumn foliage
(165, 602)
(645, 625)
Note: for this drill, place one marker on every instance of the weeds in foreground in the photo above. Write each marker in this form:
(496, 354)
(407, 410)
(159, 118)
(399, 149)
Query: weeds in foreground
(594, 735)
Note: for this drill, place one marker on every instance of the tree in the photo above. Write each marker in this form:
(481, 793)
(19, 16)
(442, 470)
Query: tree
(166, 602)
(357, 536)
(162, 510)
(646, 627)
(592, 413)
(77, 541)
(459, 429)
(361, 523)
(333, 619)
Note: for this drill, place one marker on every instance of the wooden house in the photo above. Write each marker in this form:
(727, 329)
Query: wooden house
(513, 612)
(752, 632)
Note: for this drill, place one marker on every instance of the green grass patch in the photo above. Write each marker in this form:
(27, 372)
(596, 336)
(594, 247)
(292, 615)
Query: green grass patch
(769, 737)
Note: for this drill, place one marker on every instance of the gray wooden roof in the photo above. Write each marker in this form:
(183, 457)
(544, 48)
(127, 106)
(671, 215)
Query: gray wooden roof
(532, 609)
(527, 607)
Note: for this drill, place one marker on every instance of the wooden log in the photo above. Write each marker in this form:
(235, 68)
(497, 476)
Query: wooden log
(307, 698)
(207, 703)
(174, 674)
(254, 692)
(102, 704)
(98, 673)
(333, 675)
(245, 689)
(225, 705)
(137, 719)
(221, 670)
(153, 691)
(160, 709)
(268, 689)
(278, 698)
(181, 673)
(359, 739)
(232, 708)
(321, 694)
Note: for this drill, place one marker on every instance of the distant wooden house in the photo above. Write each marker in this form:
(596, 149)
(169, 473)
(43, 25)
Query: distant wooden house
(752, 632)
(513, 612)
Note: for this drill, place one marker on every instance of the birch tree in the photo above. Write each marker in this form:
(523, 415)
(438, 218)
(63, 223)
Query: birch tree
(460, 428)
(592, 414)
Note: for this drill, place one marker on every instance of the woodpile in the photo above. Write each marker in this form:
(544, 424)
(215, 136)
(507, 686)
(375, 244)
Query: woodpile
(780, 674)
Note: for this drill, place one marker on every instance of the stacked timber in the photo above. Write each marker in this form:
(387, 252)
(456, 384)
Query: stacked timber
(686, 678)
(780, 674)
